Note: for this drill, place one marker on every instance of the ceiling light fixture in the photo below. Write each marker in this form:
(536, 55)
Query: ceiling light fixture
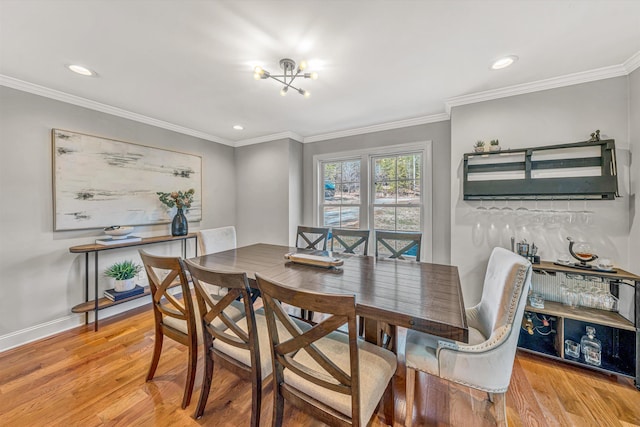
(291, 72)
(238, 127)
(504, 62)
(83, 71)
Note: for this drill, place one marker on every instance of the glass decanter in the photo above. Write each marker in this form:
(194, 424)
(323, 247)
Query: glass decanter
(591, 347)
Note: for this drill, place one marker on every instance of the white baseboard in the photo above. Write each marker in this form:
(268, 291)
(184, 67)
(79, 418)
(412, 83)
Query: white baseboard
(44, 330)
(36, 332)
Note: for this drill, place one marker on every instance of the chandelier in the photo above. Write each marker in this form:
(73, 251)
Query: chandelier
(291, 72)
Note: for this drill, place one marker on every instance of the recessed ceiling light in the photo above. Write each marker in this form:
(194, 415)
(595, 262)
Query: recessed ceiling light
(238, 127)
(504, 62)
(83, 71)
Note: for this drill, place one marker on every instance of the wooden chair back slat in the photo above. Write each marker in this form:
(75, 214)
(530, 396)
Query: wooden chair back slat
(350, 240)
(312, 238)
(237, 285)
(412, 239)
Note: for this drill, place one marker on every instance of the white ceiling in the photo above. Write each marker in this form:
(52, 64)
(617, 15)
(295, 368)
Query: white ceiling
(189, 63)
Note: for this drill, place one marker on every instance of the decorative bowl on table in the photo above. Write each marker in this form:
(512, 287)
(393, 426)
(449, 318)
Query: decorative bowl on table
(118, 232)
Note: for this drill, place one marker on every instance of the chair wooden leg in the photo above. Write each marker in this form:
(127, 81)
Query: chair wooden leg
(360, 326)
(278, 404)
(490, 396)
(191, 375)
(410, 396)
(207, 378)
(157, 349)
(500, 407)
(256, 401)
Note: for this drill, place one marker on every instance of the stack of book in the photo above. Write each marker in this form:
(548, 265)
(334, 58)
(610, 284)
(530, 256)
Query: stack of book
(112, 295)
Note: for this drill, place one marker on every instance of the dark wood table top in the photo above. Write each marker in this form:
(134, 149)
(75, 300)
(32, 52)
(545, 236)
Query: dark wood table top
(421, 296)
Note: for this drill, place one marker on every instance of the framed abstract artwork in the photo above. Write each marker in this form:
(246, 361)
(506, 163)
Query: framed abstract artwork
(100, 182)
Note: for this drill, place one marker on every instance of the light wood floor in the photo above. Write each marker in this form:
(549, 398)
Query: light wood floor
(84, 378)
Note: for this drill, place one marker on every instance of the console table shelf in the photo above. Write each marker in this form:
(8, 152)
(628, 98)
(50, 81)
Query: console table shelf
(98, 303)
(106, 302)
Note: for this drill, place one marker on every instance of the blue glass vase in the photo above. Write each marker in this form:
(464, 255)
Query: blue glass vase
(179, 225)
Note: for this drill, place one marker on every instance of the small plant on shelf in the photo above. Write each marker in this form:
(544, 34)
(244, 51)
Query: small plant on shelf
(123, 270)
(494, 145)
(478, 147)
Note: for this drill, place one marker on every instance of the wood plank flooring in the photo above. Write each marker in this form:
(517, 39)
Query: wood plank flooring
(86, 378)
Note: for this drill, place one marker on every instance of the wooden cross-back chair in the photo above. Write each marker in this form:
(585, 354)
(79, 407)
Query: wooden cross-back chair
(408, 240)
(225, 332)
(174, 317)
(350, 241)
(312, 238)
(334, 376)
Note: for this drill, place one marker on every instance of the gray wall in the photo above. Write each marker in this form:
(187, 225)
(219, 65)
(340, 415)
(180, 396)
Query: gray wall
(438, 133)
(265, 176)
(39, 279)
(634, 199)
(561, 115)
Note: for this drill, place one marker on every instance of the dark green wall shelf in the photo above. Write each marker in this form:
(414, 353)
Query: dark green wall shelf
(524, 173)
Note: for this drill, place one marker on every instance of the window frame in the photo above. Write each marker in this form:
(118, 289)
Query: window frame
(321, 205)
(366, 186)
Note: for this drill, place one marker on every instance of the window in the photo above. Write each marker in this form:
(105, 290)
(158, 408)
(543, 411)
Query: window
(397, 202)
(340, 205)
(386, 188)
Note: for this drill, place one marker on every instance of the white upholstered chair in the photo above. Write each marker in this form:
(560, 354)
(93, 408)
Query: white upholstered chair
(486, 362)
(214, 240)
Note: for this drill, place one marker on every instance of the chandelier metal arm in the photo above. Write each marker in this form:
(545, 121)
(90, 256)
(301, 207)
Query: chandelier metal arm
(291, 73)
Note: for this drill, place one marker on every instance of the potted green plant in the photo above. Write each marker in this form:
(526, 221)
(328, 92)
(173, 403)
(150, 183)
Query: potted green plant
(478, 147)
(494, 145)
(123, 272)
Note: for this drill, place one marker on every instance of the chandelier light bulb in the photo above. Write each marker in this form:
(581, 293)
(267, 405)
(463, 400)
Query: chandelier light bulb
(314, 76)
(302, 66)
(306, 93)
(257, 76)
(258, 70)
(284, 90)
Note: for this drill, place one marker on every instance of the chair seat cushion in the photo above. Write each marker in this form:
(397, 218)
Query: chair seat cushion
(376, 366)
(264, 343)
(421, 349)
(235, 311)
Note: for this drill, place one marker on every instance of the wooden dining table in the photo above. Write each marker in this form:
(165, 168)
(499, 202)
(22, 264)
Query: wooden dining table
(414, 295)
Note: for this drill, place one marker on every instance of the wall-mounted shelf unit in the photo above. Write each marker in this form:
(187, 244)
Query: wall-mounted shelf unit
(582, 170)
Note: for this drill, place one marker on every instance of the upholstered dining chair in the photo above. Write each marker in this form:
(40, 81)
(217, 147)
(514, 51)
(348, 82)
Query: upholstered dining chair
(332, 375)
(350, 241)
(174, 317)
(239, 344)
(214, 240)
(398, 244)
(224, 335)
(486, 362)
(312, 238)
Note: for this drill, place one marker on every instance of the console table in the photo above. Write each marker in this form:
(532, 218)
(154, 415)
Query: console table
(99, 303)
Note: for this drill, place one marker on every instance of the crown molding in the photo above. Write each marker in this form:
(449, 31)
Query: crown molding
(268, 138)
(104, 108)
(632, 63)
(379, 128)
(540, 85)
